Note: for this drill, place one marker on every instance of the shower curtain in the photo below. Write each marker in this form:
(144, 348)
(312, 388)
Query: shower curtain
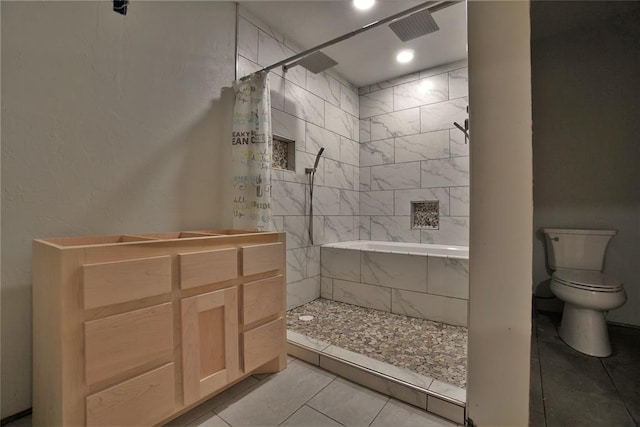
(251, 144)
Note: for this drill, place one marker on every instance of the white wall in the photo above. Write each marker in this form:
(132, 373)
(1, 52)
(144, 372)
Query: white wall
(314, 110)
(411, 151)
(501, 213)
(586, 145)
(110, 124)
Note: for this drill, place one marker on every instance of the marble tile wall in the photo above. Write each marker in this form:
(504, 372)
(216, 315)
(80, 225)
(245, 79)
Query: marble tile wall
(411, 151)
(426, 287)
(314, 110)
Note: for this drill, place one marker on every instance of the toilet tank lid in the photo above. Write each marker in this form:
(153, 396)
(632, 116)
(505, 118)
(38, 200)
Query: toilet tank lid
(579, 231)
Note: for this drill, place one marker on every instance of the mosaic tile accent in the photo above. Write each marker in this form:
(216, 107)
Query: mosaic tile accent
(425, 215)
(282, 154)
(433, 349)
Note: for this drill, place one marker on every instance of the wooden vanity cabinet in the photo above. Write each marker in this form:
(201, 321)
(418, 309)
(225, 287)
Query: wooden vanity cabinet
(137, 329)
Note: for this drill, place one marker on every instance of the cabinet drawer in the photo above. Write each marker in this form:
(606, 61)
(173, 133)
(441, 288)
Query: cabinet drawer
(263, 344)
(262, 299)
(261, 258)
(144, 400)
(121, 281)
(202, 268)
(117, 344)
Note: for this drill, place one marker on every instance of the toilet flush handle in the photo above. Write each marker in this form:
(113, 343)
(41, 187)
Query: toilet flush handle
(555, 239)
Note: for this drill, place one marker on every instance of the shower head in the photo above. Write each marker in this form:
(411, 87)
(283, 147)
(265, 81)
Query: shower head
(316, 62)
(315, 166)
(312, 170)
(415, 25)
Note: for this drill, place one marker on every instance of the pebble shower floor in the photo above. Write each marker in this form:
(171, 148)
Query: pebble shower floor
(433, 349)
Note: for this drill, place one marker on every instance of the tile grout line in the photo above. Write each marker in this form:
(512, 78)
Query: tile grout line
(335, 377)
(544, 404)
(624, 402)
(255, 386)
(222, 419)
(378, 414)
(320, 412)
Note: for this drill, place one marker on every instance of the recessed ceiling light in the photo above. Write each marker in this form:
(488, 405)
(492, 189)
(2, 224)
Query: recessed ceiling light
(404, 56)
(363, 4)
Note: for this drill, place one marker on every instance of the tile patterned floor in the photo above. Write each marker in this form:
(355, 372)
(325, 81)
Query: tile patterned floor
(433, 349)
(301, 395)
(567, 388)
(570, 388)
(304, 395)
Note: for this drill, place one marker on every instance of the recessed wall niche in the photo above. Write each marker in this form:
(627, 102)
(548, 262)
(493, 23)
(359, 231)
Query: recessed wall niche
(284, 153)
(425, 215)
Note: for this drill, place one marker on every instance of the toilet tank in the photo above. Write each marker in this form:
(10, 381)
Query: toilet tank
(578, 249)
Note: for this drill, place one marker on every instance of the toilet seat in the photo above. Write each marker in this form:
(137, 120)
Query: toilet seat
(587, 280)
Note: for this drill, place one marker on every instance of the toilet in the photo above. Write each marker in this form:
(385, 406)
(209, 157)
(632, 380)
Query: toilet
(577, 258)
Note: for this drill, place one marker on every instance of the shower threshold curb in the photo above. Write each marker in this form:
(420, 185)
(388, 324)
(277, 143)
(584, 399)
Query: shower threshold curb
(436, 397)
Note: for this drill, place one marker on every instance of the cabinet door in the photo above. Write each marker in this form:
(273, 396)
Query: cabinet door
(210, 338)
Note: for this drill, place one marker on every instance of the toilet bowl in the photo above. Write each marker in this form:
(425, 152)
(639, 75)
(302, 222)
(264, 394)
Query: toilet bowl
(587, 295)
(577, 257)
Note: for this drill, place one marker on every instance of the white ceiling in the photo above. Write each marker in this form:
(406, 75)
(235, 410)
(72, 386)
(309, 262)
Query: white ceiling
(368, 57)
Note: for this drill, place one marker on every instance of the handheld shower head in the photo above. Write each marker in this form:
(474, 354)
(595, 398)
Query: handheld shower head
(312, 170)
(315, 166)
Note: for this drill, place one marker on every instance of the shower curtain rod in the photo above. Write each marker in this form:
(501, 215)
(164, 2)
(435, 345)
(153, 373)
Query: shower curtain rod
(432, 6)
